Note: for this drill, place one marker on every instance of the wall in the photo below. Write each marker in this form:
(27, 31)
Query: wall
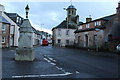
(95, 39)
(6, 34)
(16, 34)
(63, 37)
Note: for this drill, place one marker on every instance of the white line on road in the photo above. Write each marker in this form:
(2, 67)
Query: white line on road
(47, 75)
(53, 62)
(77, 72)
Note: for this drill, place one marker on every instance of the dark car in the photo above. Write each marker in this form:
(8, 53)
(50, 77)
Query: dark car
(44, 42)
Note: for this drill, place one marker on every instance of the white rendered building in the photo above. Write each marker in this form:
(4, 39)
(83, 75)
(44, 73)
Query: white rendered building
(63, 34)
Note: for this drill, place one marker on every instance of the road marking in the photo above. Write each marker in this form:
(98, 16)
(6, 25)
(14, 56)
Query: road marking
(77, 72)
(61, 69)
(47, 75)
(11, 50)
(53, 62)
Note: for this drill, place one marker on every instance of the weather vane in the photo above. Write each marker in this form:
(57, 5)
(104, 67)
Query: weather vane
(71, 2)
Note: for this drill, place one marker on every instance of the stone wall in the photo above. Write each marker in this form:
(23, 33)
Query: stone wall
(94, 39)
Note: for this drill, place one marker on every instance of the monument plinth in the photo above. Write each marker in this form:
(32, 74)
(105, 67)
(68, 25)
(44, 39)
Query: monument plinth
(25, 51)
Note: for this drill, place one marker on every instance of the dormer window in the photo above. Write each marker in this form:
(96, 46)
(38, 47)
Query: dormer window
(87, 25)
(17, 20)
(97, 23)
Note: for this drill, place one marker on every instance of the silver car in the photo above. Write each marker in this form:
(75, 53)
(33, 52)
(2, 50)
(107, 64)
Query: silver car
(118, 48)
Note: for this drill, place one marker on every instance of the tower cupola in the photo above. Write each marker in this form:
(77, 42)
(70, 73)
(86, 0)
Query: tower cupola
(71, 10)
(71, 7)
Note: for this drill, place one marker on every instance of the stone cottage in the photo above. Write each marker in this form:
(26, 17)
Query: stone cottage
(103, 33)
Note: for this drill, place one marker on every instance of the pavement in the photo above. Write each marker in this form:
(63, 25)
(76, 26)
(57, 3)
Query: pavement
(41, 67)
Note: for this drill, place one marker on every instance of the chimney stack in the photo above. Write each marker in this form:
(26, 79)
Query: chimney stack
(88, 19)
(2, 8)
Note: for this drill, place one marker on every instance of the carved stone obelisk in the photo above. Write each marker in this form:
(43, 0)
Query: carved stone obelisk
(25, 51)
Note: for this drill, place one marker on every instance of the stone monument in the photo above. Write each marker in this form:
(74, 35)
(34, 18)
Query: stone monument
(25, 51)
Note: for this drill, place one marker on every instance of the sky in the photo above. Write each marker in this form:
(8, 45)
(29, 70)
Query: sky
(44, 15)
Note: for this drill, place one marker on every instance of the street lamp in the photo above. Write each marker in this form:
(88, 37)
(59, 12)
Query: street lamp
(97, 29)
(67, 25)
(41, 26)
(67, 18)
(27, 10)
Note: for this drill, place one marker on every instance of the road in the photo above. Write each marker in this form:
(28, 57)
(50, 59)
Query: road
(62, 63)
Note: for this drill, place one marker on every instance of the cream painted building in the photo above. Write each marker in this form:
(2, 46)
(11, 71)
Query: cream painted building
(63, 34)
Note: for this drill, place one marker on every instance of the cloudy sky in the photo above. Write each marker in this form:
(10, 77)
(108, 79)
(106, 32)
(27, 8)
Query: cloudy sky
(46, 15)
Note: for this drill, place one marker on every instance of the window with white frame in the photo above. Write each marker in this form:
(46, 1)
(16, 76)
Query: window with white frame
(67, 42)
(3, 27)
(17, 20)
(97, 23)
(67, 32)
(87, 25)
(59, 32)
(20, 20)
(59, 41)
(3, 39)
(80, 27)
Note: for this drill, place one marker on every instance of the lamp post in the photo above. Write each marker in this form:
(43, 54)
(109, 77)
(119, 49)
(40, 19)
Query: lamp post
(27, 10)
(41, 26)
(97, 30)
(67, 18)
(67, 25)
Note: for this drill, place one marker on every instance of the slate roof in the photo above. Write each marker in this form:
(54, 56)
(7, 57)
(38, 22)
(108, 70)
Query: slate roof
(64, 25)
(71, 7)
(89, 29)
(3, 20)
(13, 16)
(106, 18)
(34, 30)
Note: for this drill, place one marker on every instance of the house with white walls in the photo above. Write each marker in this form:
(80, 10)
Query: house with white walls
(63, 34)
(14, 28)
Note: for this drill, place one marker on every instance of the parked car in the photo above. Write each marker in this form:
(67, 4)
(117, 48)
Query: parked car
(118, 48)
(44, 42)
